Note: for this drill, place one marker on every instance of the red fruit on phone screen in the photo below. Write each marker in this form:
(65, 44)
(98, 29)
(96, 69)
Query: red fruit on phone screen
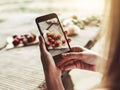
(52, 35)
(63, 41)
(49, 38)
(53, 45)
(66, 32)
(58, 36)
(48, 43)
(57, 43)
(52, 40)
(69, 39)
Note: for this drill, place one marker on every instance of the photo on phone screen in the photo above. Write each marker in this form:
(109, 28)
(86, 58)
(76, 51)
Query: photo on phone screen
(54, 37)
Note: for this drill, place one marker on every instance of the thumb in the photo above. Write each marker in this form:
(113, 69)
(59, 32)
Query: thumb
(42, 44)
(72, 55)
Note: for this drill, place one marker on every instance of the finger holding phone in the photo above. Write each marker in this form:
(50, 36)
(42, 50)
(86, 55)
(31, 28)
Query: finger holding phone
(51, 52)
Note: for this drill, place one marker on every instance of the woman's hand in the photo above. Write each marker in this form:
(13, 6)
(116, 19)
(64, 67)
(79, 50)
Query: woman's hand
(52, 73)
(81, 58)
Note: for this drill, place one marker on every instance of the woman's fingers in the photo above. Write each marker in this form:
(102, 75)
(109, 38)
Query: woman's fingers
(76, 64)
(67, 57)
(65, 63)
(69, 67)
(72, 55)
(78, 49)
(42, 44)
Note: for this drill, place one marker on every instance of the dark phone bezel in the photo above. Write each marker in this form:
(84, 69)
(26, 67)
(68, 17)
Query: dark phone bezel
(47, 17)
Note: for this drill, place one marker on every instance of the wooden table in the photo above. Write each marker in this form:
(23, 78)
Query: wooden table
(21, 68)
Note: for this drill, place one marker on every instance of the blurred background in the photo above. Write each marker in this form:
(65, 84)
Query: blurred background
(12, 8)
(20, 67)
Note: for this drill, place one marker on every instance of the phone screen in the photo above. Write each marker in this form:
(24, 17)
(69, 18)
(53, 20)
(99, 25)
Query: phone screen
(55, 39)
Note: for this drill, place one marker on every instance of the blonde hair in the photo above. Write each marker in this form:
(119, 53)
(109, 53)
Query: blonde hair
(111, 77)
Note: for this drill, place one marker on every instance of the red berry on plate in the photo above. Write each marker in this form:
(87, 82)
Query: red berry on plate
(63, 41)
(25, 41)
(66, 32)
(53, 45)
(25, 35)
(16, 42)
(49, 38)
(55, 38)
(15, 36)
(69, 39)
(52, 35)
(58, 36)
(22, 37)
(34, 36)
(57, 43)
(52, 40)
(30, 39)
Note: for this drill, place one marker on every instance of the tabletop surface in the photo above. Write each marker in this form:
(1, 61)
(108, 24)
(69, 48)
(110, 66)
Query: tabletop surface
(21, 68)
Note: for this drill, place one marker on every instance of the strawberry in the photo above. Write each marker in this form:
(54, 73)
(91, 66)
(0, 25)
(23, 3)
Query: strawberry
(34, 36)
(49, 38)
(53, 45)
(63, 41)
(52, 40)
(25, 41)
(58, 36)
(30, 39)
(52, 35)
(69, 39)
(66, 32)
(16, 41)
(47, 43)
(14, 36)
(55, 38)
(57, 43)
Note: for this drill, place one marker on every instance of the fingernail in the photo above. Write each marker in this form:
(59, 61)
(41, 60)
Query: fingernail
(64, 54)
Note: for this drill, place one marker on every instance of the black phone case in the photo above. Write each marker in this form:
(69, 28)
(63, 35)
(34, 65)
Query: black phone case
(58, 57)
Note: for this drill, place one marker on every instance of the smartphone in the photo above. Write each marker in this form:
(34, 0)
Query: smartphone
(53, 34)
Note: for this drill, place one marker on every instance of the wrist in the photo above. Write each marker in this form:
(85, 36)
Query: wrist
(53, 81)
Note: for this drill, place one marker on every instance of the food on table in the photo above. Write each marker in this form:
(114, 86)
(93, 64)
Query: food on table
(74, 17)
(79, 23)
(14, 36)
(92, 21)
(16, 41)
(67, 22)
(83, 22)
(31, 38)
(23, 39)
(72, 30)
